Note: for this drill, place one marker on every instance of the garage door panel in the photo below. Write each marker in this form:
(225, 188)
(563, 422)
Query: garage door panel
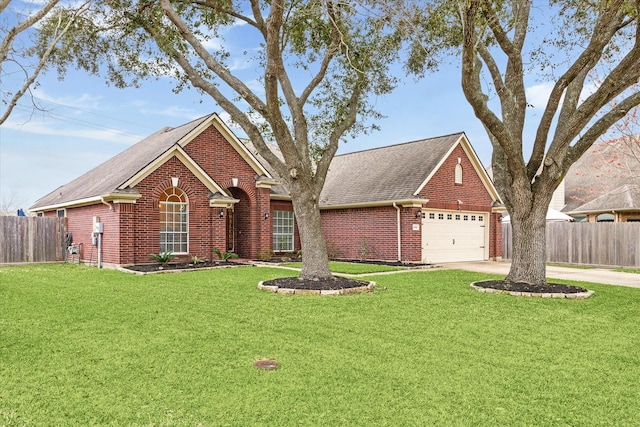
(453, 236)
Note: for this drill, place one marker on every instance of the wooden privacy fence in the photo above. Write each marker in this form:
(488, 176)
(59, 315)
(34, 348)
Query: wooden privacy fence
(32, 239)
(602, 243)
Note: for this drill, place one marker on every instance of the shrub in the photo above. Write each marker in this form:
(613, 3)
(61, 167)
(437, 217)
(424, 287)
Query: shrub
(332, 250)
(163, 257)
(266, 254)
(196, 259)
(364, 249)
(224, 256)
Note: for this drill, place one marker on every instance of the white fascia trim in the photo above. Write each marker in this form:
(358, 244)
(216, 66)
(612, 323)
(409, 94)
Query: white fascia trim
(223, 203)
(463, 211)
(267, 183)
(177, 151)
(602, 211)
(283, 197)
(415, 203)
(109, 197)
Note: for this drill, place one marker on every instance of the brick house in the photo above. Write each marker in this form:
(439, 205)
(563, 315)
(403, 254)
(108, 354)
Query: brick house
(197, 186)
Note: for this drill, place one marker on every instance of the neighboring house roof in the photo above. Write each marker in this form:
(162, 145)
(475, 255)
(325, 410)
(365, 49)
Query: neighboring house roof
(597, 181)
(392, 173)
(112, 179)
(624, 198)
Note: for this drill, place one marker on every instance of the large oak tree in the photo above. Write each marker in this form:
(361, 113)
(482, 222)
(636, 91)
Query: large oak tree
(319, 65)
(502, 45)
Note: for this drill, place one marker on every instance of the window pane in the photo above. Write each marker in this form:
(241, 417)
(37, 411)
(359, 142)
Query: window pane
(174, 221)
(283, 230)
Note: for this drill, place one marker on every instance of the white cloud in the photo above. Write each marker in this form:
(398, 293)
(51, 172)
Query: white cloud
(173, 111)
(538, 95)
(46, 128)
(77, 101)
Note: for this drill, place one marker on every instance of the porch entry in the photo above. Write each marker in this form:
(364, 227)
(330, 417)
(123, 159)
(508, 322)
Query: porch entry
(454, 236)
(239, 224)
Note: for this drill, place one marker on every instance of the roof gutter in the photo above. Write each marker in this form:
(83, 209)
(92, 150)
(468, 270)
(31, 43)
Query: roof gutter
(111, 197)
(104, 202)
(406, 203)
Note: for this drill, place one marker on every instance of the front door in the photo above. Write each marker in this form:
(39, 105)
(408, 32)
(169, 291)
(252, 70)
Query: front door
(230, 231)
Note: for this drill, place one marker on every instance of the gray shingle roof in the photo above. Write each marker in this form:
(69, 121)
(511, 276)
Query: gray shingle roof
(389, 173)
(108, 176)
(623, 198)
(604, 168)
(382, 174)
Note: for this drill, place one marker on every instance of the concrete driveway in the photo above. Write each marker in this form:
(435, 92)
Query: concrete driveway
(594, 275)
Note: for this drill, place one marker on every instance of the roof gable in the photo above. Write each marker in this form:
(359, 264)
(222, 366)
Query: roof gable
(178, 152)
(393, 173)
(120, 173)
(464, 143)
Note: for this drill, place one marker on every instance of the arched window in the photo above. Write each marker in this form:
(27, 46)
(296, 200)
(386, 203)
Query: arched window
(458, 174)
(174, 221)
(605, 217)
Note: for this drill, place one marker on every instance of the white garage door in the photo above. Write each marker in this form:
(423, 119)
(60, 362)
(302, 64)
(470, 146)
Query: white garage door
(453, 236)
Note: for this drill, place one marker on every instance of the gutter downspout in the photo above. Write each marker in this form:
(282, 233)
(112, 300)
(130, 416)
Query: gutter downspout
(103, 201)
(399, 230)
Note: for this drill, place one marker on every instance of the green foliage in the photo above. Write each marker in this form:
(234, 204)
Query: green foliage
(224, 256)
(181, 348)
(196, 259)
(266, 254)
(163, 257)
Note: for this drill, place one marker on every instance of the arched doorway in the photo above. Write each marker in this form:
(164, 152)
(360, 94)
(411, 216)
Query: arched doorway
(239, 234)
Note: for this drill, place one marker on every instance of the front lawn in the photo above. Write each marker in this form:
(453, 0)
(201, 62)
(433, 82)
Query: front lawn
(81, 346)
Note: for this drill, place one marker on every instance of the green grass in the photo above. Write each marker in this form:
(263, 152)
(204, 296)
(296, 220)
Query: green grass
(81, 346)
(352, 267)
(628, 270)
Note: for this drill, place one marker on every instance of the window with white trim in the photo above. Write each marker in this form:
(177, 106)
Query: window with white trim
(174, 221)
(61, 213)
(283, 228)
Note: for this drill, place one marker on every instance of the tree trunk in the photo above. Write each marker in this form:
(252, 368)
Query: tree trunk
(528, 264)
(315, 261)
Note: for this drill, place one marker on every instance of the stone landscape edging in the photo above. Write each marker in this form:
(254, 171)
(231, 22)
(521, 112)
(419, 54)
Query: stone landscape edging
(290, 291)
(576, 295)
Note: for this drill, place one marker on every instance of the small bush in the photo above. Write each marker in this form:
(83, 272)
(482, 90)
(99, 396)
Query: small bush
(196, 259)
(224, 256)
(364, 248)
(333, 252)
(266, 254)
(163, 257)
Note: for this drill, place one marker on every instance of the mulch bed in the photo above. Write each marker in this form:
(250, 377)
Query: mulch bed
(148, 268)
(389, 263)
(334, 283)
(549, 288)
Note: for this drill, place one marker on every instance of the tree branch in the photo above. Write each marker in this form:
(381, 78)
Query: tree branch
(588, 58)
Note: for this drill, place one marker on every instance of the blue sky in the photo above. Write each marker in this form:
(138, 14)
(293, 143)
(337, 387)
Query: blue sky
(86, 122)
